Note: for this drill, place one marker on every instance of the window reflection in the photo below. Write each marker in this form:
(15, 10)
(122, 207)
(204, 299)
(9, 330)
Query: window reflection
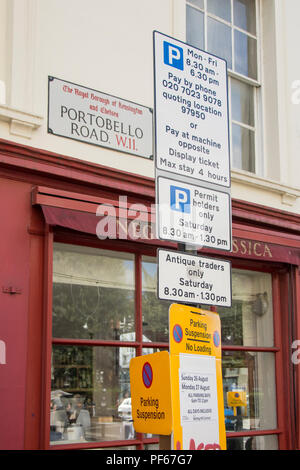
(221, 8)
(245, 55)
(243, 148)
(242, 102)
(90, 397)
(195, 30)
(93, 294)
(253, 443)
(219, 40)
(197, 3)
(249, 390)
(244, 15)
(229, 31)
(249, 322)
(155, 312)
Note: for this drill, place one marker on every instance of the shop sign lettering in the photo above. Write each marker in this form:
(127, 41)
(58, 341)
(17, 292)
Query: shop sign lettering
(145, 230)
(296, 353)
(251, 248)
(137, 222)
(2, 352)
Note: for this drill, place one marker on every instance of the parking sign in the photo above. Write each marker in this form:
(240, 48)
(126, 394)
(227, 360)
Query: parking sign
(193, 214)
(191, 112)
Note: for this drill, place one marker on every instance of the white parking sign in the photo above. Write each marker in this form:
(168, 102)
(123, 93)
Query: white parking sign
(193, 214)
(191, 112)
(193, 279)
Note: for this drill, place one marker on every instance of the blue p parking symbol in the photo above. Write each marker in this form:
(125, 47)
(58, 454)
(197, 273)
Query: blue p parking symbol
(180, 199)
(173, 55)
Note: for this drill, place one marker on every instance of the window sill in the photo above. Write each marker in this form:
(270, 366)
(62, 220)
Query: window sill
(289, 194)
(21, 123)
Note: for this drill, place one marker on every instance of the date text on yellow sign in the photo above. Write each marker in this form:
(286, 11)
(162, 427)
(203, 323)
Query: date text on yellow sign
(196, 379)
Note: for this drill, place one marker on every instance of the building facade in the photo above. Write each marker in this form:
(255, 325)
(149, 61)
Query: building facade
(76, 155)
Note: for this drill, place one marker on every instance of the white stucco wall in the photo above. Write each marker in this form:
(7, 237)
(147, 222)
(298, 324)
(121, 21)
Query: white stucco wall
(107, 46)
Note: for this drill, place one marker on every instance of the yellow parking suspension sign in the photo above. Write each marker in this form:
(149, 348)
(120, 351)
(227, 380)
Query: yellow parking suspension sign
(196, 379)
(237, 398)
(181, 393)
(150, 382)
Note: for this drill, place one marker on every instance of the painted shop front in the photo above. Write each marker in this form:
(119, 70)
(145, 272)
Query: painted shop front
(78, 306)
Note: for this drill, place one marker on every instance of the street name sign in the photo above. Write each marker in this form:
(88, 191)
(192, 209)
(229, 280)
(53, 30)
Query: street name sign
(191, 112)
(94, 117)
(193, 279)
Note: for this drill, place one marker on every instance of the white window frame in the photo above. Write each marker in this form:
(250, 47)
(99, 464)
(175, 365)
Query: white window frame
(256, 84)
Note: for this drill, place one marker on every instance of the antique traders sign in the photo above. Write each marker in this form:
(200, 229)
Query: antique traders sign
(94, 117)
(193, 279)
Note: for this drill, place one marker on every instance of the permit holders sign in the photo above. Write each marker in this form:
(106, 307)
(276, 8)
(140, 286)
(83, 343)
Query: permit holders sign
(193, 214)
(191, 112)
(193, 279)
(94, 117)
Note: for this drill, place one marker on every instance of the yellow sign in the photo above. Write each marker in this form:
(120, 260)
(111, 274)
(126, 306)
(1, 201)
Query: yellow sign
(194, 331)
(196, 379)
(237, 398)
(182, 393)
(150, 384)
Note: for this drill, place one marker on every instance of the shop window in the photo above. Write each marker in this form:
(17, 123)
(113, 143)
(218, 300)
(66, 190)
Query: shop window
(228, 29)
(105, 312)
(248, 323)
(250, 376)
(93, 299)
(253, 443)
(90, 398)
(155, 312)
(93, 294)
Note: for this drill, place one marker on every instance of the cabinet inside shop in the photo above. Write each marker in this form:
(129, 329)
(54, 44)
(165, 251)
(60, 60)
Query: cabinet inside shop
(73, 373)
(93, 375)
(90, 393)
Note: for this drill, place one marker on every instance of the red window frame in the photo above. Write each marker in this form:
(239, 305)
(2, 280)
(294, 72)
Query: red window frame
(280, 295)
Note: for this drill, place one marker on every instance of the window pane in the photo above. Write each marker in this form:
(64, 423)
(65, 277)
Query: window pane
(197, 3)
(221, 8)
(155, 312)
(90, 395)
(242, 102)
(152, 447)
(249, 322)
(245, 55)
(93, 294)
(194, 27)
(243, 148)
(112, 448)
(249, 379)
(219, 40)
(253, 443)
(146, 351)
(244, 15)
